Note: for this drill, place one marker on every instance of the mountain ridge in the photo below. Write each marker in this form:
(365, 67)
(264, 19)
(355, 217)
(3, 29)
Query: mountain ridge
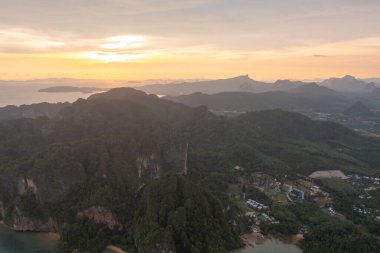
(245, 84)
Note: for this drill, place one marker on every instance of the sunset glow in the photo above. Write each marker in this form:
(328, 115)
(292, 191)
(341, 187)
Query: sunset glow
(112, 57)
(190, 39)
(123, 42)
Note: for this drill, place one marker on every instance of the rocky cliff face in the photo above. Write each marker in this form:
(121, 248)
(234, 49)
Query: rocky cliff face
(101, 215)
(117, 140)
(22, 223)
(50, 183)
(153, 165)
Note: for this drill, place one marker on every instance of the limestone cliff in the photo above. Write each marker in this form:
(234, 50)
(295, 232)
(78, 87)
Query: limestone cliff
(153, 165)
(93, 152)
(48, 183)
(22, 223)
(101, 215)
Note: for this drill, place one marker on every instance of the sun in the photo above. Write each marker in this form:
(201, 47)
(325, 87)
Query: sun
(121, 48)
(124, 42)
(112, 57)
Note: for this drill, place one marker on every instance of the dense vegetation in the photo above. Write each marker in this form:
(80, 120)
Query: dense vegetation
(337, 236)
(114, 150)
(84, 235)
(175, 215)
(345, 197)
(325, 234)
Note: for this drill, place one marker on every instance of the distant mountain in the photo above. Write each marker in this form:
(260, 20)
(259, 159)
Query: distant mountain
(123, 94)
(313, 88)
(304, 98)
(376, 92)
(246, 84)
(58, 89)
(281, 85)
(348, 84)
(240, 83)
(373, 80)
(358, 109)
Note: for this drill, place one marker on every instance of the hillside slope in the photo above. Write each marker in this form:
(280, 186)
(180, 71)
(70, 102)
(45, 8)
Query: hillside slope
(307, 97)
(96, 159)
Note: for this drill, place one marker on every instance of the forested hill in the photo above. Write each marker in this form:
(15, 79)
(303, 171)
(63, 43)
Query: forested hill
(278, 123)
(12, 112)
(307, 97)
(100, 156)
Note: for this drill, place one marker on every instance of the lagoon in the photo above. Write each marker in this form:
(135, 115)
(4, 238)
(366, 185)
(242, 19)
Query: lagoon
(270, 246)
(26, 242)
(31, 242)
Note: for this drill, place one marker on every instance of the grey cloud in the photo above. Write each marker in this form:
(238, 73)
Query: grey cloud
(238, 24)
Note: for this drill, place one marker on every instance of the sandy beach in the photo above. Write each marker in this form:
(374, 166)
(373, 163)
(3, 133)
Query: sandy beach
(253, 239)
(115, 249)
(296, 238)
(53, 236)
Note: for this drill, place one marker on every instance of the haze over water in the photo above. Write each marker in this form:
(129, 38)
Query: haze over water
(26, 94)
(14, 242)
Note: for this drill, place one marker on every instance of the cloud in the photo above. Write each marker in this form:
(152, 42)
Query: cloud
(16, 40)
(204, 19)
(124, 42)
(29, 41)
(184, 35)
(119, 48)
(245, 25)
(112, 56)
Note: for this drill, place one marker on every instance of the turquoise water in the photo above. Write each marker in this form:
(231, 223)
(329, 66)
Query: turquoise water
(23, 242)
(271, 246)
(14, 242)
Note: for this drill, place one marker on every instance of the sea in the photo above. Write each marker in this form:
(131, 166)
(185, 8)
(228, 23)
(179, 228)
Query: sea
(270, 246)
(32, 242)
(29, 242)
(28, 94)
(25, 242)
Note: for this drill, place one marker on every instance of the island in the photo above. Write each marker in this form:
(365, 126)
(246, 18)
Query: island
(64, 89)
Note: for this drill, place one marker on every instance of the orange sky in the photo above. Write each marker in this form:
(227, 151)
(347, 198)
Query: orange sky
(189, 39)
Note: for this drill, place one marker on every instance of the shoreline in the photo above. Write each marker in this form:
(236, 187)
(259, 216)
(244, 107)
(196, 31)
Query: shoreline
(51, 238)
(48, 237)
(254, 238)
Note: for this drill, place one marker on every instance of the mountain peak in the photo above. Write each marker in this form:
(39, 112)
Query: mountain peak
(282, 81)
(243, 77)
(346, 84)
(349, 78)
(313, 88)
(238, 83)
(120, 93)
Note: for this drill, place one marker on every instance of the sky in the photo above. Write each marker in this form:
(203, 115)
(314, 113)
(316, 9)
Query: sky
(171, 39)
